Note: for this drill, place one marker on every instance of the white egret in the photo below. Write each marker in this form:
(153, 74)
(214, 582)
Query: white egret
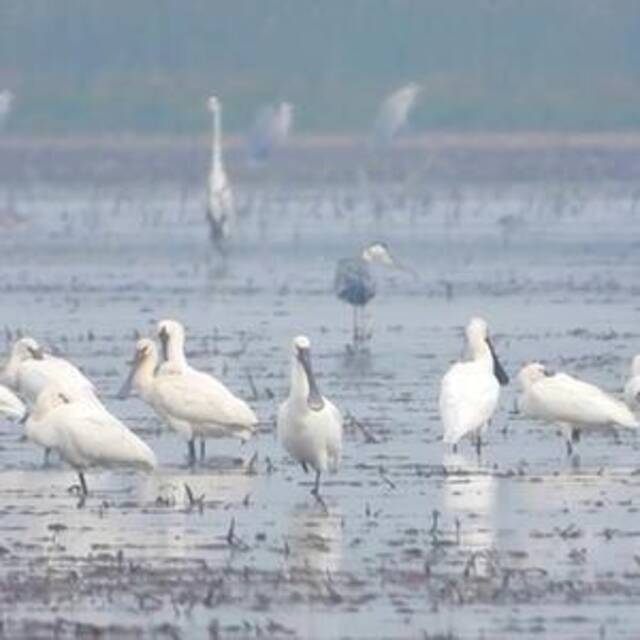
(271, 129)
(6, 104)
(220, 203)
(309, 425)
(84, 434)
(632, 388)
(193, 403)
(573, 404)
(355, 284)
(469, 391)
(394, 113)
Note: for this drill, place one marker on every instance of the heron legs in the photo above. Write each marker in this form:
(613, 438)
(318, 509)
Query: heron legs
(83, 484)
(191, 452)
(203, 449)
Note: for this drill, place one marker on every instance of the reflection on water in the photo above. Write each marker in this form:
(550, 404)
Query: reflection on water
(469, 492)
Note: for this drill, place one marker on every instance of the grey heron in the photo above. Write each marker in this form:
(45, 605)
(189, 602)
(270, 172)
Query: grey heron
(355, 283)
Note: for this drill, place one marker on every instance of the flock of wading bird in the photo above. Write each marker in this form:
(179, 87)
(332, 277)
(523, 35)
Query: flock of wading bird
(67, 416)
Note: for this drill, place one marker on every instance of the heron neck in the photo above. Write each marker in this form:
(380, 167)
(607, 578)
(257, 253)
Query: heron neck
(216, 154)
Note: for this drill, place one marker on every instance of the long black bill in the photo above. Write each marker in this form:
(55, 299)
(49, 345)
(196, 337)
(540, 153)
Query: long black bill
(125, 390)
(498, 371)
(164, 341)
(314, 399)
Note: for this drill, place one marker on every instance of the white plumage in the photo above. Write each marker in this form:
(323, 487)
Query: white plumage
(573, 404)
(10, 405)
(470, 390)
(193, 403)
(394, 113)
(220, 203)
(632, 388)
(84, 434)
(309, 425)
(29, 370)
(271, 129)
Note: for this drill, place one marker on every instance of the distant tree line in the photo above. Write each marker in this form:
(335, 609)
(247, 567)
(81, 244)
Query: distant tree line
(148, 65)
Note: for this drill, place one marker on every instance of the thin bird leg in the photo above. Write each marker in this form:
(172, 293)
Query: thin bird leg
(315, 492)
(203, 449)
(569, 447)
(355, 325)
(479, 444)
(47, 455)
(192, 451)
(83, 484)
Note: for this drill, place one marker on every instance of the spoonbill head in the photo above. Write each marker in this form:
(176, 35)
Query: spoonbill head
(143, 365)
(477, 332)
(172, 336)
(303, 373)
(26, 349)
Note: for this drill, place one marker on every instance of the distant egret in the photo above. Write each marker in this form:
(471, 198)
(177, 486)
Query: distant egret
(573, 404)
(394, 113)
(220, 204)
(355, 284)
(309, 425)
(271, 129)
(470, 390)
(632, 388)
(84, 434)
(6, 104)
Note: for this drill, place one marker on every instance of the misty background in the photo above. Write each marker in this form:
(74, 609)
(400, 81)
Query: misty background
(80, 66)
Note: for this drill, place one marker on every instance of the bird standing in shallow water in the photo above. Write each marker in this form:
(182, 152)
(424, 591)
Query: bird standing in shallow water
(309, 425)
(573, 404)
(469, 391)
(220, 204)
(84, 434)
(355, 284)
(193, 403)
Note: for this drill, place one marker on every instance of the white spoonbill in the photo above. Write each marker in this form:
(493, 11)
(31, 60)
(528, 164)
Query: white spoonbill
(309, 425)
(470, 390)
(10, 405)
(632, 388)
(192, 403)
(220, 204)
(29, 370)
(573, 404)
(84, 434)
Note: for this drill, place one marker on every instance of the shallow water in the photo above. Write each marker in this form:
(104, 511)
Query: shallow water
(526, 543)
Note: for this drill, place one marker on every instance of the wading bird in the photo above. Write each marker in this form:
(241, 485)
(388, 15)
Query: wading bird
(394, 113)
(469, 391)
(355, 284)
(573, 404)
(29, 370)
(309, 425)
(192, 403)
(220, 204)
(84, 434)
(271, 129)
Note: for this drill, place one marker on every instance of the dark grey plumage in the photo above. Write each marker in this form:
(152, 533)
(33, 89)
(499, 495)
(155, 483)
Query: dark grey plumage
(354, 283)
